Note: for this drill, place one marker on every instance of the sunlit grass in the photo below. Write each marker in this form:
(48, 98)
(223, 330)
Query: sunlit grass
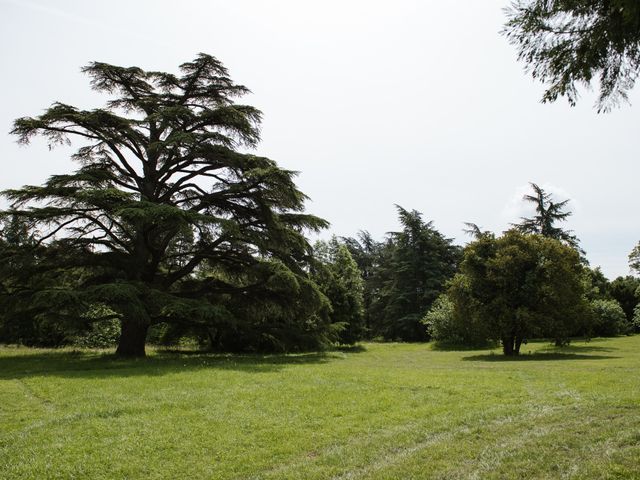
(391, 411)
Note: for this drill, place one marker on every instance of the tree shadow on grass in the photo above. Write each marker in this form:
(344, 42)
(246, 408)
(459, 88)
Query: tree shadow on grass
(91, 364)
(576, 349)
(456, 347)
(493, 357)
(350, 348)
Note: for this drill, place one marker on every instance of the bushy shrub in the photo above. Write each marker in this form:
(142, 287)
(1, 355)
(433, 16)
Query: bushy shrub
(450, 321)
(440, 322)
(609, 318)
(101, 334)
(102, 329)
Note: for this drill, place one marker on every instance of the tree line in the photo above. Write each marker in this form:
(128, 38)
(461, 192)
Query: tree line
(167, 231)
(414, 285)
(532, 281)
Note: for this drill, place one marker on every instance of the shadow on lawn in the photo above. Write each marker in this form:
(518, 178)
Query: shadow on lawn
(350, 349)
(82, 364)
(579, 351)
(527, 357)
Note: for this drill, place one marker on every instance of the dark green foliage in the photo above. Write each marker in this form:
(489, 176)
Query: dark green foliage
(166, 221)
(15, 232)
(567, 43)
(522, 286)
(287, 313)
(414, 265)
(367, 254)
(21, 318)
(102, 334)
(548, 213)
(609, 319)
(284, 312)
(596, 284)
(372, 257)
(340, 279)
(623, 290)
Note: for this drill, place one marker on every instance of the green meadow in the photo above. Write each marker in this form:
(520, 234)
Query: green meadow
(378, 411)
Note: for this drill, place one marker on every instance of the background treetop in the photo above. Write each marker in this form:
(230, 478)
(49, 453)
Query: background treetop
(547, 214)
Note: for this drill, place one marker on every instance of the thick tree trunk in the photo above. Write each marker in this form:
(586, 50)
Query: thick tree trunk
(132, 338)
(516, 350)
(214, 339)
(507, 345)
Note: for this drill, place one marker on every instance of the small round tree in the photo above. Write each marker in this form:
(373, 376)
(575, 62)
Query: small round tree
(523, 285)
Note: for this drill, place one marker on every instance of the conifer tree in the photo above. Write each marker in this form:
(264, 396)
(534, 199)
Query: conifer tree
(166, 219)
(340, 279)
(368, 254)
(418, 262)
(548, 214)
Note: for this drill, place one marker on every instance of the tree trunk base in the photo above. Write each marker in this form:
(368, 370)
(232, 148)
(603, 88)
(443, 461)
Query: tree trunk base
(133, 338)
(511, 345)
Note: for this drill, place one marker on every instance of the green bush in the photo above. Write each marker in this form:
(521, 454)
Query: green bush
(451, 322)
(609, 318)
(101, 334)
(440, 322)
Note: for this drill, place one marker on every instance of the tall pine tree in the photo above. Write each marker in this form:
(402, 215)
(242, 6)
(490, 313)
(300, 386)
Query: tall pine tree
(419, 260)
(548, 214)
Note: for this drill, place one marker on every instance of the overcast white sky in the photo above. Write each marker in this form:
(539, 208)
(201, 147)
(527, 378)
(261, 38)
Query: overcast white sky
(417, 103)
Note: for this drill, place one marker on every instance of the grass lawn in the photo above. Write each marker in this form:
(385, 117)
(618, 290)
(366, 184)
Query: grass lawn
(394, 411)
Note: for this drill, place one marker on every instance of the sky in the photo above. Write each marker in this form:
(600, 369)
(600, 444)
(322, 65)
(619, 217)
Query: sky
(416, 103)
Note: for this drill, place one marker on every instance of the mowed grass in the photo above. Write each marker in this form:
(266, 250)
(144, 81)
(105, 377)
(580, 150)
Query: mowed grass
(384, 411)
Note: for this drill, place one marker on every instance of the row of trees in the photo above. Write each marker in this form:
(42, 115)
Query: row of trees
(166, 230)
(349, 290)
(531, 282)
(414, 285)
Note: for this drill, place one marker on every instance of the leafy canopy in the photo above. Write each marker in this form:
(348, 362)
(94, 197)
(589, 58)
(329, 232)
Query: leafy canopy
(520, 286)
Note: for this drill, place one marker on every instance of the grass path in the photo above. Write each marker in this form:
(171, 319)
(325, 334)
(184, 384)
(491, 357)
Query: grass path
(389, 411)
